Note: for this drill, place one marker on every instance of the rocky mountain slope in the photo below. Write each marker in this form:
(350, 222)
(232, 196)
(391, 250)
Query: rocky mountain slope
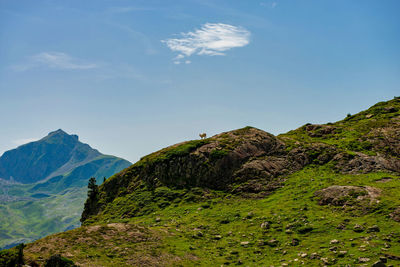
(43, 185)
(318, 195)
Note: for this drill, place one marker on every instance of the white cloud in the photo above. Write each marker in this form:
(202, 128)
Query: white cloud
(55, 60)
(211, 39)
(270, 4)
(19, 142)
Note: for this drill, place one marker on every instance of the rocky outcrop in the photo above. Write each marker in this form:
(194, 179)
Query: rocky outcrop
(337, 195)
(362, 163)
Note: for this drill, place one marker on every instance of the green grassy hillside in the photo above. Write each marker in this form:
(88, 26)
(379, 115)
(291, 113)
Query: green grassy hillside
(31, 211)
(319, 195)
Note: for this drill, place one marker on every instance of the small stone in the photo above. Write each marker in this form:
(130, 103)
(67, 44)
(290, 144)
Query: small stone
(272, 243)
(374, 228)
(158, 219)
(244, 243)
(261, 243)
(358, 228)
(342, 253)
(217, 237)
(303, 255)
(199, 208)
(325, 260)
(334, 241)
(333, 248)
(314, 256)
(250, 215)
(363, 260)
(265, 225)
(295, 242)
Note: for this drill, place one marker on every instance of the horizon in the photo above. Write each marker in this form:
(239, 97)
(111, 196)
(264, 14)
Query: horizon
(132, 77)
(77, 135)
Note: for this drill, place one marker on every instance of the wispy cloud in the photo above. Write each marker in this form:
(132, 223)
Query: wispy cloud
(269, 4)
(211, 39)
(23, 141)
(55, 60)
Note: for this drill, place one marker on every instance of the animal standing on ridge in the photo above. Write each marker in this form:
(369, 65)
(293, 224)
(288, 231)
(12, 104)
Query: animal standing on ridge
(203, 135)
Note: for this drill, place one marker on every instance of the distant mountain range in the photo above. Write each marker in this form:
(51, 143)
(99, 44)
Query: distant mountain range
(43, 185)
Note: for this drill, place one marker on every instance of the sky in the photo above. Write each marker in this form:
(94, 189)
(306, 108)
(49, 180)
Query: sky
(132, 77)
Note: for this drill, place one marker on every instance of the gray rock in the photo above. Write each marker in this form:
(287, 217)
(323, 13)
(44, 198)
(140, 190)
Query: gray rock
(217, 237)
(265, 225)
(363, 260)
(314, 256)
(374, 228)
(295, 242)
(358, 228)
(342, 253)
(272, 243)
(378, 264)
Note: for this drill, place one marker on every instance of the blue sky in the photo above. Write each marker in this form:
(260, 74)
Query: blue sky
(131, 77)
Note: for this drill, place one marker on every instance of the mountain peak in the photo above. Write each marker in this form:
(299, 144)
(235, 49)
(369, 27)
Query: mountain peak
(45, 157)
(61, 132)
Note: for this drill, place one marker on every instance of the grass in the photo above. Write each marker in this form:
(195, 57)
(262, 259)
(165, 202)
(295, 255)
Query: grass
(32, 211)
(354, 133)
(27, 220)
(172, 151)
(211, 230)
